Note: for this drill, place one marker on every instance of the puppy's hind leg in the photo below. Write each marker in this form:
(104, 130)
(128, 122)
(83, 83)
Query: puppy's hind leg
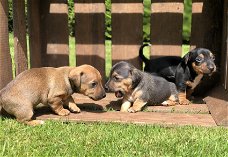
(24, 115)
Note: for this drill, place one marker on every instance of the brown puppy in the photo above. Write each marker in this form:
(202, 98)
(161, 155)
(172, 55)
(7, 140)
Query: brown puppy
(50, 86)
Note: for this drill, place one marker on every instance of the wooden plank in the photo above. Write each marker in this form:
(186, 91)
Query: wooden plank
(217, 102)
(90, 33)
(20, 42)
(137, 118)
(34, 33)
(225, 43)
(5, 58)
(166, 27)
(206, 27)
(112, 103)
(206, 32)
(54, 34)
(127, 30)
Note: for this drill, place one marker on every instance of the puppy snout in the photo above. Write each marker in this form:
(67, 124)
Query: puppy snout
(211, 67)
(104, 95)
(106, 88)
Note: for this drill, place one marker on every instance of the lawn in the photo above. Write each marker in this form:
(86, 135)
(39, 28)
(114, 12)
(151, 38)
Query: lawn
(100, 139)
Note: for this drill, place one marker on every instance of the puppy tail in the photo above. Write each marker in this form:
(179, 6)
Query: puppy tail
(144, 59)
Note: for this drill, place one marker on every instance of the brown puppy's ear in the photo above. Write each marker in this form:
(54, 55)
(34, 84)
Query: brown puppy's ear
(75, 77)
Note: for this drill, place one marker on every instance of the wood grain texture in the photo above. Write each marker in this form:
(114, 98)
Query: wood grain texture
(20, 42)
(34, 33)
(166, 27)
(5, 58)
(90, 33)
(54, 33)
(127, 31)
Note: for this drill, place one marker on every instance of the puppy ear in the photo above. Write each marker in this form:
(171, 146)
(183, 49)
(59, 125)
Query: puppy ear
(187, 57)
(135, 76)
(75, 77)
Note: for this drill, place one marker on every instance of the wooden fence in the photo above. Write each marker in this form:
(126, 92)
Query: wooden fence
(49, 35)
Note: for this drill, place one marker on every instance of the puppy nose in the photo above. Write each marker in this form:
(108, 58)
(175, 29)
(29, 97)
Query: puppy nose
(211, 68)
(106, 88)
(104, 95)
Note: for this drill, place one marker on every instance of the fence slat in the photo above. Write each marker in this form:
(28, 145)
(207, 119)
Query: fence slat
(90, 33)
(34, 33)
(166, 27)
(54, 33)
(225, 45)
(5, 58)
(19, 28)
(127, 30)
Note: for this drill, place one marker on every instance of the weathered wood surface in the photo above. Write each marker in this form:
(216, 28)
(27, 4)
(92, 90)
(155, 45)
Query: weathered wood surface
(166, 27)
(54, 33)
(5, 58)
(127, 30)
(98, 111)
(137, 118)
(20, 42)
(34, 33)
(90, 33)
(217, 103)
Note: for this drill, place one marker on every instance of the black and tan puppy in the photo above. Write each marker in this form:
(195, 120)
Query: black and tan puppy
(139, 88)
(50, 86)
(185, 72)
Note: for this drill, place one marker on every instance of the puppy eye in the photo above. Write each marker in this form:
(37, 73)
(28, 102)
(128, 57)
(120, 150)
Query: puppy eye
(213, 58)
(198, 59)
(116, 78)
(94, 84)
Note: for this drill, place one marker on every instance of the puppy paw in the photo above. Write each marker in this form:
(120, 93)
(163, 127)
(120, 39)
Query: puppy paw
(64, 112)
(34, 122)
(73, 108)
(131, 110)
(184, 102)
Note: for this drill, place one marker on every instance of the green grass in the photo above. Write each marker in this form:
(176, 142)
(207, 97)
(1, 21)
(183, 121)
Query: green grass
(99, 139)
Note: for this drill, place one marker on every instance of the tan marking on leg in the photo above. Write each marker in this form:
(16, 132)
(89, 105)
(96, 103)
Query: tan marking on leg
(125, 106)
(182, 99)
(172, 101)
(137, 106)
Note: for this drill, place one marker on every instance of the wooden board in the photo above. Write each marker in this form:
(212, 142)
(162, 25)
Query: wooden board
(206, 26)
(90, 33)
(137, 118)
(166, 27)
(34, 33)
(127, 30)
(217, 103)
(20, 42)
(110, 102)
(54, 33)
(5, 58)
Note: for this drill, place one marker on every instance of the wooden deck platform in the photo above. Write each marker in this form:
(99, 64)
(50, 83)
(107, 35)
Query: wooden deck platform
(107, 110)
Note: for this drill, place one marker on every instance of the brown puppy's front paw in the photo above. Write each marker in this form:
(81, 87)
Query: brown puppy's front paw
(184, 102)
(64, 112)
(74, 108)
(131, 110)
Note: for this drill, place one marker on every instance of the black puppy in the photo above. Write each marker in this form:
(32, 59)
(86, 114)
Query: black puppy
(185, 72)
(139, 88)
